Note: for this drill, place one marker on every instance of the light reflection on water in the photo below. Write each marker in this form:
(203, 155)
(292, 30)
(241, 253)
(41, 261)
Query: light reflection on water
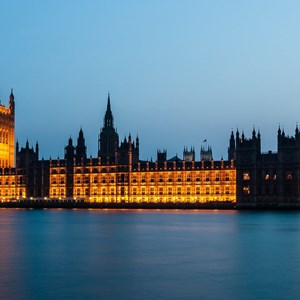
(149, 254)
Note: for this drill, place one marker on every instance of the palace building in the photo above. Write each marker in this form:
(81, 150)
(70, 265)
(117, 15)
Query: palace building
(248, 177)
(117, 174)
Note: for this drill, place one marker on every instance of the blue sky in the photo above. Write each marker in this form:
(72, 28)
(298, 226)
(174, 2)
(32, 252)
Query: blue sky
(178, 72)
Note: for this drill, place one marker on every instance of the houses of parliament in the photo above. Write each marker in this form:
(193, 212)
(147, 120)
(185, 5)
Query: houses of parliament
(117, 175)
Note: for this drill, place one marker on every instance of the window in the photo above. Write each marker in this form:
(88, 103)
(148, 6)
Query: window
(246, 176)
(152, 191)
(188, 177)
(246, 190)
(207, 177)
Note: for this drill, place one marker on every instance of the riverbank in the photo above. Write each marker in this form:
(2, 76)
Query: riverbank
(40, 204)
(72, 204)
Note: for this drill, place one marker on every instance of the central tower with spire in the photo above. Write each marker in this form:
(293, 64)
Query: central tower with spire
(108, 141)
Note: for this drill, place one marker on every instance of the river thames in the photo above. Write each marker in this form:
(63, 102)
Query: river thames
(149, 254)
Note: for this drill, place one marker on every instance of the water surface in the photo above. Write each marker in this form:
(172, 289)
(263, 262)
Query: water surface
(141, 254)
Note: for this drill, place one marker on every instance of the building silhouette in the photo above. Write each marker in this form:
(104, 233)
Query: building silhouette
(248, 177)
(266, 179)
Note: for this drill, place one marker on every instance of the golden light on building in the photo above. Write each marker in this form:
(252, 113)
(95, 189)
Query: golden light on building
(178, 182)
(7, 134)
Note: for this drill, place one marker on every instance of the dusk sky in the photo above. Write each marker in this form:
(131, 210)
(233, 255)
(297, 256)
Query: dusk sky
(178, 72)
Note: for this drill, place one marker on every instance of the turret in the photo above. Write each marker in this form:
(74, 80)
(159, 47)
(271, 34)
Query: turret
(231, 148)
(69, 150)
(37, 150)
(11, 104)
(80, 148)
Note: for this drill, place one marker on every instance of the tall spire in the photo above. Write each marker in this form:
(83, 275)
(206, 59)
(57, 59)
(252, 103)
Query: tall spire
(108, 102)
(108, 118)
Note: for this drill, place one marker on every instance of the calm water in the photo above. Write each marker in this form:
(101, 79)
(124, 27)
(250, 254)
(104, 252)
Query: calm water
(117, 254)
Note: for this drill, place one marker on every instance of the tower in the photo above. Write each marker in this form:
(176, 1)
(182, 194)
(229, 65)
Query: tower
(7, 133)
(80, 148)
(108, 141)
(189, 155)
(231, 148)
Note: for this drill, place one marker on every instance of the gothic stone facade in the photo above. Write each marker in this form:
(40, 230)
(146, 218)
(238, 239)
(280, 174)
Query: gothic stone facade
(267, 179)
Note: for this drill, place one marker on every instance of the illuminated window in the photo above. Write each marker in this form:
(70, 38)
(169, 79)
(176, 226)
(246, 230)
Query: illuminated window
(188, 190)
(198, 190)
(188, 177)
(160, 190)
(246, 176)
(143, 191)
(246, 190)
(179, 190)
(170, 190)
(227, 176)
(217, 176)
(267, 177)
(207, 177)
(207, 190)
(274, 177)
(227, 190)
(217, 190)
(152, 191)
